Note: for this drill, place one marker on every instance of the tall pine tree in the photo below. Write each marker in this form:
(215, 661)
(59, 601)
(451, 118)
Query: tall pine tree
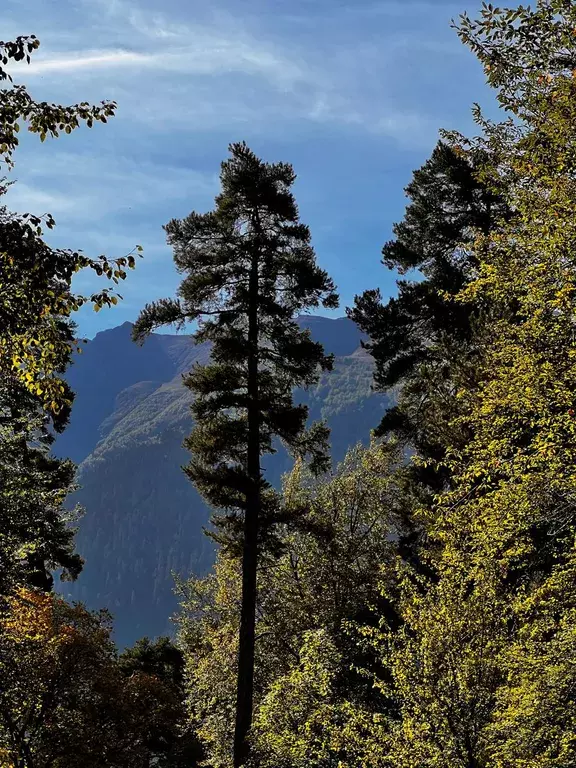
(249, 271)
(422, 340)
(413, 334)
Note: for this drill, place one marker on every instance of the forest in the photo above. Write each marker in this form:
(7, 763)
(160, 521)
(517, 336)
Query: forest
(411, 606)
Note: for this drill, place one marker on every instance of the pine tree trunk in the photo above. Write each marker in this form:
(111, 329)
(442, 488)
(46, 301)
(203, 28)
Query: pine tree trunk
(245, 685)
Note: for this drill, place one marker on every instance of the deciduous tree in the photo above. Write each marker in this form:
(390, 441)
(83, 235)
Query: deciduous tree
(37, 341)
(66, 700)
(325, 580)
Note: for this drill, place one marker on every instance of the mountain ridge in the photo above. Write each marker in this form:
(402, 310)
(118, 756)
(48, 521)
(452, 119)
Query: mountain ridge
(144, 520)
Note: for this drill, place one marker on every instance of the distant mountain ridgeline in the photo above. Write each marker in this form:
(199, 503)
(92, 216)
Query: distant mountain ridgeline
(144, 520)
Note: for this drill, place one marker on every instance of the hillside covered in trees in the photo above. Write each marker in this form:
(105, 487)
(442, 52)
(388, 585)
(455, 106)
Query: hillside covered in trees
(143, 520)
(406, 602)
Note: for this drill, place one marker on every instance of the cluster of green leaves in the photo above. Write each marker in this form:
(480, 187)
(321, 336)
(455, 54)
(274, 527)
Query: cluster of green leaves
(36, 336)
(17, 107)
(326, 578)
(35, 279)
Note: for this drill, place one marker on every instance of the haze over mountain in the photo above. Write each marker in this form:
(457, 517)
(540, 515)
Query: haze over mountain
(144, 520)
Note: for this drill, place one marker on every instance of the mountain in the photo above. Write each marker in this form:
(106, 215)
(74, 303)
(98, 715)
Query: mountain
(143, 519)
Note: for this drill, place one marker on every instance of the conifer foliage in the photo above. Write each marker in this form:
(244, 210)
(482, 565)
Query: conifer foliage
(413, 334)
(249, 271)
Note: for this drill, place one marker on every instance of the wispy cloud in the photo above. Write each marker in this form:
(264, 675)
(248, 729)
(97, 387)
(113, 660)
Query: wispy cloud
(86, 60)
(224, 70)
(205, 54)
(351, 91)
(217, 44)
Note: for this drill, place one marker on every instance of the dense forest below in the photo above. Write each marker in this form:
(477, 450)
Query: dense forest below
(388, 578)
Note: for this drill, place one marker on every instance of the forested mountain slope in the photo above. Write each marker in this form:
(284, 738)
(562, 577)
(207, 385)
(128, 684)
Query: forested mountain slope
(143, 519)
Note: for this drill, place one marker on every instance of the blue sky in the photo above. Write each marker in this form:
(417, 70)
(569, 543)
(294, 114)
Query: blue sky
(351, 92)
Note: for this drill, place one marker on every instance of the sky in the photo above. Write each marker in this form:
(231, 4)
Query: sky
(351, 92)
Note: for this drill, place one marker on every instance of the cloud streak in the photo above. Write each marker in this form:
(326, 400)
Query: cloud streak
(86, 60)
(206, 54)
(350, 91)
(221, 71)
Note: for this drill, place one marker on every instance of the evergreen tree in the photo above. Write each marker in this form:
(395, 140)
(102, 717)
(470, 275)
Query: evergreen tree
(415, 336)
(250, 270)
(172, 742)
(35, 533)
(423, 341)
(160, 658)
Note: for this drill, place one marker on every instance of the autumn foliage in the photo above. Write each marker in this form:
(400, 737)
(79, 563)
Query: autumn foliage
(65, 698)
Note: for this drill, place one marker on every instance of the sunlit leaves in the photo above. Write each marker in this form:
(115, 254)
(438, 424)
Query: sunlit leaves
(18, 108)
(66, 700)
(38, 300)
